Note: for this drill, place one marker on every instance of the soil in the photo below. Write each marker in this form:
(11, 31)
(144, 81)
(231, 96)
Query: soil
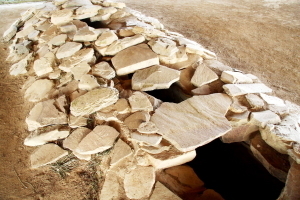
(259, 37)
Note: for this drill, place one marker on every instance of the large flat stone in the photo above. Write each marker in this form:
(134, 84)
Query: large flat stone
(121, 151)
(203, 75)
(161, 192)
(45, 135)
(104, 70)
(241, 89)
(154, 77)
(193, 122)
(235, 77)
(44, 65)
(111, 187)
(100, 139)
(182, 180)
(134, 58)
(68, 49)
(20, 67)
(140, 102)
(93, 101)
(39, 90)
(139, 182)
(75, 138)
(46, 154)
(60, 17)
(44, 114)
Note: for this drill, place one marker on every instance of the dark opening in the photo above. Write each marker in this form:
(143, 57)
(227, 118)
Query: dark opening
(229, 169)
(232, 171)
(96, 24)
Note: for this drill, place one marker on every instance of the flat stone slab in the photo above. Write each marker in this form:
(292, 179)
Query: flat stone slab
(263, 118)
(111, 187)
(68, 49)
(134, 58)
(121, 151)
(44, 114)
(241, 89)
(154, 77)
(75, 138)
(93, 101)
(193, 122)
(203, 75)
(139, 182)
(235, 77)
(161, 192)
(44, 65)
(140, 102)
(46, 154)
(149, 139)
(100, 139)
(39, 90)
(104, 70)
(47, 134)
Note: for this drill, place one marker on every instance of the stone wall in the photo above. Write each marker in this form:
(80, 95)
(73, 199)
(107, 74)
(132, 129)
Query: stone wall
(90, 65)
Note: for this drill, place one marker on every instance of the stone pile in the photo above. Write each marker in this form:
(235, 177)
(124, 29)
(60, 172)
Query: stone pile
(89, 64)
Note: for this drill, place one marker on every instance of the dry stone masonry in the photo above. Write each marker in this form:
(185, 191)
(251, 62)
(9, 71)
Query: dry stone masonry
(88, 87)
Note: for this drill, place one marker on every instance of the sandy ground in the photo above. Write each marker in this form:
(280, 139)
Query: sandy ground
(260, 37)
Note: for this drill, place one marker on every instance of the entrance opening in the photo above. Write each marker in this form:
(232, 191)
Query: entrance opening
(96, 24)
(229, 169)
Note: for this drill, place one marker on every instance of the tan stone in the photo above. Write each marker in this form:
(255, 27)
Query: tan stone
(126, 32)
(122, 44)
(255, 101)
(276, 163)
(68, 49)
(106, 38)
(76, 3)
(147, 128)
(203, 75)
(121, 151)
(193, 122)
(93, 101)
(68, 28)
(10, 33)
(237, 106)
(58, 40)
(100, 139)
(81, 56)
(148, 31)
(44, 114)
(139, 182)
(134, 58)
(263, 118)
(154, 77)
(241, 89)
(46, 154)
(182, 180)
(75, 138)
(235, 77)
(291, 191)
(295, 152)
(86, 34)
(104, 70)
(111, 187)
(86, 157)
(140, 102)
(45, 135)
(135, 119)
(149, 139)
(44, 65)
(24, 32)
(21, 66)
(38, 90)
(170, 158)
(114, 4)
(178, 57)
(87, 11)
(161, 192)
(79, 70)
(33, 35)
(163, 46)
(191, 60)
(75, 122)
(60, 17)
(88, 82)
(280, 137)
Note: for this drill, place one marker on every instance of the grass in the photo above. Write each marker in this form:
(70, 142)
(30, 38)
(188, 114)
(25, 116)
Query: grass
(65, 165)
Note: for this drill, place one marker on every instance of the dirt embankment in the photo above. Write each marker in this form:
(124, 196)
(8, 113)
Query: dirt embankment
(259, 37)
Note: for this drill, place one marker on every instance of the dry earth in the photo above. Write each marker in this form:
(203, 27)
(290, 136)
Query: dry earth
(259, 37)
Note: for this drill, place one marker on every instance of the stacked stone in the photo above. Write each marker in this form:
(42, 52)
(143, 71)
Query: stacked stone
(88, 85)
